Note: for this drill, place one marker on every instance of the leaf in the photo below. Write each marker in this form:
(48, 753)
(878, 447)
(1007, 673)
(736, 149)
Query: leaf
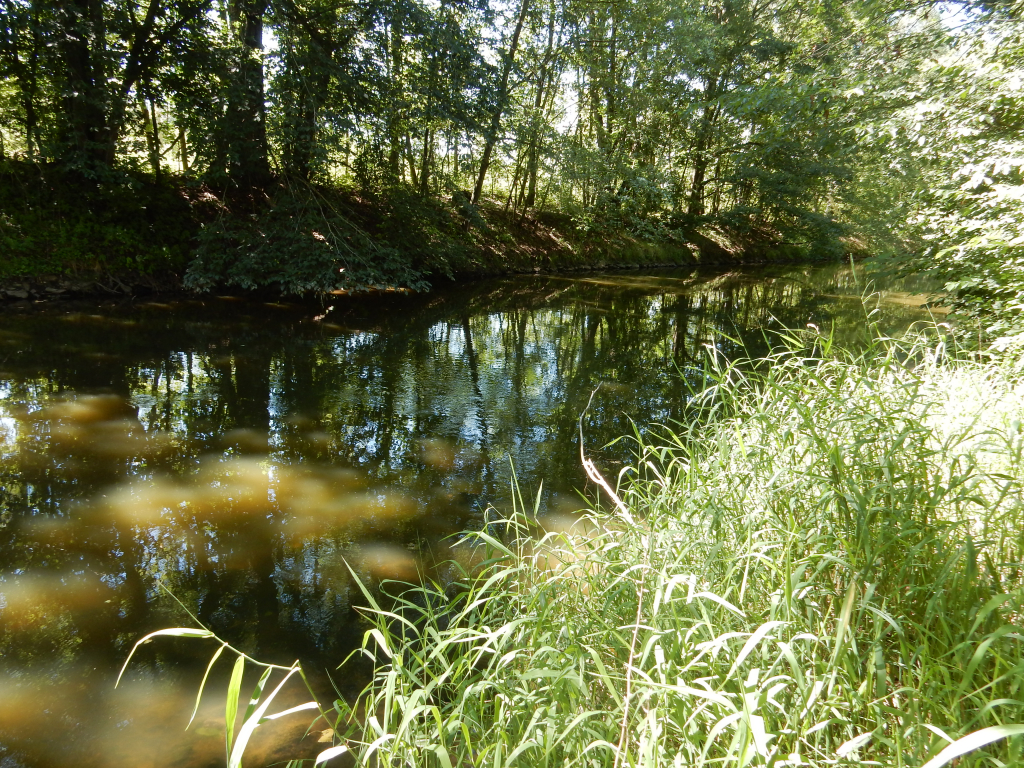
(973, 741)
(202, 685)
(254, 719)
(173, 632)
(718, 698)
(299, 708)
(752, 642)
(254, 698)
(854, 744)
(234, 691)
(844, 620)
(721, 601)
(442, 756)
(327, 754)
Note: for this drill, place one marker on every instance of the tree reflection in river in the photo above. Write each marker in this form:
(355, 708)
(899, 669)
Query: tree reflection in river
(246, 454)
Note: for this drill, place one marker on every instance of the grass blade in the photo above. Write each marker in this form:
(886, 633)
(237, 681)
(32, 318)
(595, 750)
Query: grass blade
(327, 754)
(231, 708)
(172, 632)
(254, 715)
(202, 685)
(973, 741)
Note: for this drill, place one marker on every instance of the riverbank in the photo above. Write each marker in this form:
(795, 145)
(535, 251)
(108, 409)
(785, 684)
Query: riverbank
(822, 569)
(64, 235)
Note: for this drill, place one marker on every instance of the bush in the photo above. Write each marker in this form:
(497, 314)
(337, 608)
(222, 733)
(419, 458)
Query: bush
(56, 222)
(299, 242)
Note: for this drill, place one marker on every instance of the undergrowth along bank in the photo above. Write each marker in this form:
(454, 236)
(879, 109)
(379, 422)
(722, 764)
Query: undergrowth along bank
(824, 568)
(295, 237)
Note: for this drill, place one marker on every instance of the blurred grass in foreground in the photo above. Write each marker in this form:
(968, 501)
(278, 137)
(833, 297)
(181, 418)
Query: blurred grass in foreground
(824, 568)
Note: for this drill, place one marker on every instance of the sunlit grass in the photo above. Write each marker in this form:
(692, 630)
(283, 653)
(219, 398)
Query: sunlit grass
(824, 568)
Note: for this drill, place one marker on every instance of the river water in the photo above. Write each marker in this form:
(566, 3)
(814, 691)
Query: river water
(245, 455)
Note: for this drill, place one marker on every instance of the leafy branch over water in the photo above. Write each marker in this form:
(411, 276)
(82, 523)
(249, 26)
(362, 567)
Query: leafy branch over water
(828, 570)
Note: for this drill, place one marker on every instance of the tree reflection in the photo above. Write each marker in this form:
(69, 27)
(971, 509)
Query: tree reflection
(247, 455)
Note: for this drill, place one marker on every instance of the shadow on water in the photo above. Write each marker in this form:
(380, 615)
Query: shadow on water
(248, 455)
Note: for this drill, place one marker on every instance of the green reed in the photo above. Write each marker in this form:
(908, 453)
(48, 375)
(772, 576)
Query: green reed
(824, 567)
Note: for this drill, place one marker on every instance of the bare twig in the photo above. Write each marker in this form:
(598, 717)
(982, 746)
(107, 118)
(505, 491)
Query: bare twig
(592, 472)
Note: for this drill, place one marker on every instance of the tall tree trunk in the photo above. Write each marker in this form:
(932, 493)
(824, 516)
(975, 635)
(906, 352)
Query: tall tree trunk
(25, 72)
(301, 118)
(538, 103)
(520, 158)
(499, 108)
(32, 142)
(183, 149)
(152, 134)
(248, 163)
(609, 85)
(597, 118)
(701, 160)
(411, 159)
(82, 46)
(595, 78)
(428, 147)
(394, 109)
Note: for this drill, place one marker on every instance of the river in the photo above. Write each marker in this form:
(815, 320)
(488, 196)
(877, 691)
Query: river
(241, 456)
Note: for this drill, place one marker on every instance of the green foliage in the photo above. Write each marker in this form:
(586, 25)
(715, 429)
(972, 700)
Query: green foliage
(807, 128)
(940, 156)
(688, 115)
(825, 573)
(822, 568)
(55, 222)
(300, 242)
(255, 713)
(969, 209)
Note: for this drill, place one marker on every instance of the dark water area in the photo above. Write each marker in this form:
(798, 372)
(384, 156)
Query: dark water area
(246, 455)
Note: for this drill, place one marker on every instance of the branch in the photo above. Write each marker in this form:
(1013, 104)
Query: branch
(592, 472)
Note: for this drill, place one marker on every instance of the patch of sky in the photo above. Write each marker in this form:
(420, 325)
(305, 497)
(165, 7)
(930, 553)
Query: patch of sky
(955, 16)
(342, 345)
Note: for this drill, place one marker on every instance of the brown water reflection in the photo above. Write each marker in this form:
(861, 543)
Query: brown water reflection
(246, 455)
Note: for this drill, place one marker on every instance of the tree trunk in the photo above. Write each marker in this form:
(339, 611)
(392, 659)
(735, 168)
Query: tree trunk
(248, 163)
(428, 146)
(492, 132)
(700, 150)
(152, 135)
(301, 117)
(534, 152)
(183, 149)
(83, 34)
(25, 72)
(411, 159)
(394, 116)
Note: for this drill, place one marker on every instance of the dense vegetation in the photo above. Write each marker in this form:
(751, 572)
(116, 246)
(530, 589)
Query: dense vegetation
(281, 141)
(826, 567)
(822, 569)
(829, 573)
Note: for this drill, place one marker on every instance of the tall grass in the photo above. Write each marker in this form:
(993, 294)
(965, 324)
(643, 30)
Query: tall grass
(824, 568)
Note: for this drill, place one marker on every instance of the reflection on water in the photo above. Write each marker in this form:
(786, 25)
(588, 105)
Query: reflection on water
(250, 457)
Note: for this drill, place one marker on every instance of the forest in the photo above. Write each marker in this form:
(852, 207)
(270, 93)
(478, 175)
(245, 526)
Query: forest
(762, 509)
(311, 145)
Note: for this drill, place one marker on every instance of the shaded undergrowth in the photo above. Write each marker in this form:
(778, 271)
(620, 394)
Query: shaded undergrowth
(296, 237)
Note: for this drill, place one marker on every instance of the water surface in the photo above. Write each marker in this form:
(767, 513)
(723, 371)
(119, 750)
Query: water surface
(246, 454)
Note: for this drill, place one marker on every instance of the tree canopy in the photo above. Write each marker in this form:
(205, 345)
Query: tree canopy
(827, 126)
